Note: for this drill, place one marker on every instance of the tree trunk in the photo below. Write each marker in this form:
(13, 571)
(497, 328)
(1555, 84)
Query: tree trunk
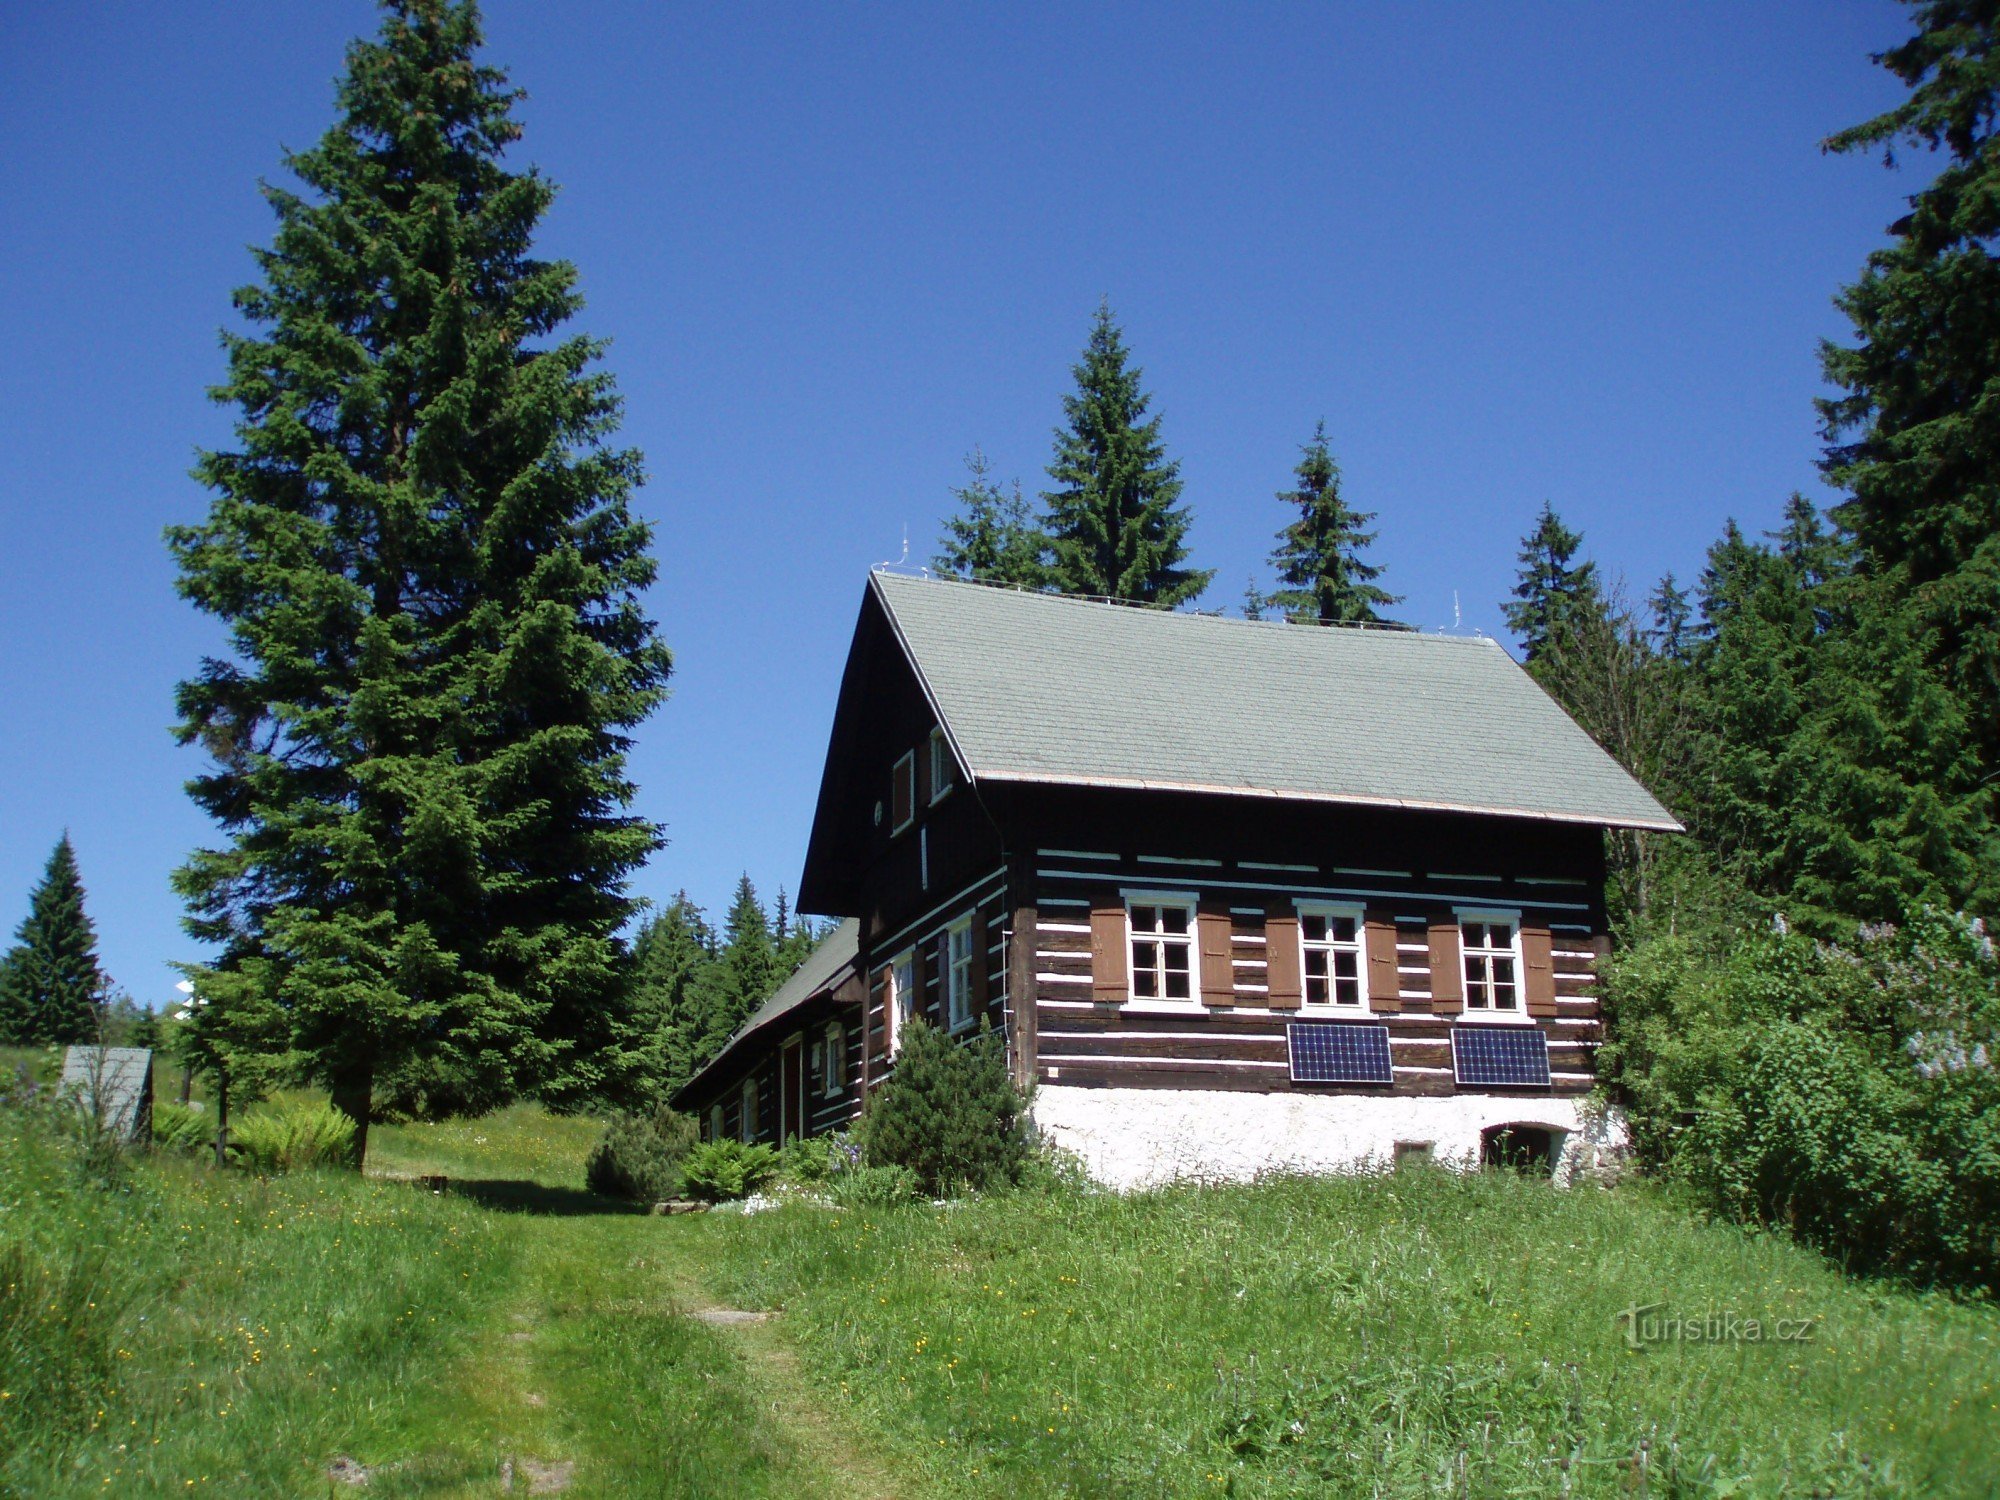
(353, 1095)
(221, 1115)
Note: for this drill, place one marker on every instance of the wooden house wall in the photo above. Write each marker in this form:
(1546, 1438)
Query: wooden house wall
(985, 899)
(1247, 858)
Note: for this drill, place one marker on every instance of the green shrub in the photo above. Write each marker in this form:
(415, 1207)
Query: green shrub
(182, 1130)
(872, 1187)
(950, 1113)
(293, 1137)
(718, 1171)
(1845, 1093)
(640, 1156)
(811, 1161)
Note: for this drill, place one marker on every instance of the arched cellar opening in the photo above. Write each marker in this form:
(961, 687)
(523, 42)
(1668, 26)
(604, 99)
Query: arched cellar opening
(1529, 1149)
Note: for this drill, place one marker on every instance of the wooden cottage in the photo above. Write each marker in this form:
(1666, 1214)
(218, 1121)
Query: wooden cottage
(1239, 895)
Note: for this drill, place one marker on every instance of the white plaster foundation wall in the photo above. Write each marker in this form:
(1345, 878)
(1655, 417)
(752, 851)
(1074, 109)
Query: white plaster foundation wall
(1133, 1138)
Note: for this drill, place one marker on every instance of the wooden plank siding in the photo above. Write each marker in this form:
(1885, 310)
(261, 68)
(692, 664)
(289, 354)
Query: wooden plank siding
(1086, 1037)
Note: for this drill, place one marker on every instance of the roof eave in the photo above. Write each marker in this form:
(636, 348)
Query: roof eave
(1665, 823)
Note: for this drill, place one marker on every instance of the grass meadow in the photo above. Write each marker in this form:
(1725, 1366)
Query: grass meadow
(1418, 1334)
(186, 1331)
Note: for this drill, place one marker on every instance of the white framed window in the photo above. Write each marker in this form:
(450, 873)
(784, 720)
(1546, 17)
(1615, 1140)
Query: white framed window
(746, 1127)
(1332, 961)
(944, 771)
(1161, 936)
(715, 1122)
(902, 996)
(1490, 950)
(958, 974)
(833, 1074)
(903, 793)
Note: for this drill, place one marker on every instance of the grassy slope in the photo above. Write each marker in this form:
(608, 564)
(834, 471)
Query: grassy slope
(1416, 1335)
(205, 1333)
(1422, 1334)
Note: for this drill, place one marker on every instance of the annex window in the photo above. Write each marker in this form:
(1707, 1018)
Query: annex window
(944, 773)
(833, 1075)
(1331, 960)
(958, 974)
(1489, 941)
(1162, 930)
(715, 1122)
(747, 1126)
(903, 793)
(902, 997)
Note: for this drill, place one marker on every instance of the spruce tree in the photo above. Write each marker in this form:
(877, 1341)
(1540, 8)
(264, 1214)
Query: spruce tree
(672, 956)
(1915, 439)
(423, 550)
(51, 989)
(1115, 526)
(992, 538)
(1673, 619)
(1318, 559)
(1551, 585)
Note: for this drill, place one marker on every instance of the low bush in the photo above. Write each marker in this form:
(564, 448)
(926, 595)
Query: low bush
(293, 1137)
(182, 1130)
(640, 1157)
(815, 1160)
(950, 1113)
(872, 1187)
(719, 1171)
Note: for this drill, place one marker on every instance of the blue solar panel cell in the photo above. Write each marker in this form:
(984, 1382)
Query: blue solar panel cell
(1339, 1052)
(1515, 1057)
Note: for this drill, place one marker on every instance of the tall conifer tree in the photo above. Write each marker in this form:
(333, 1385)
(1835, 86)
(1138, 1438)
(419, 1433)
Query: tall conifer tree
(991, 538)
(50, 985)
(1318, 559)
(1552, 585)
(423, 550)
(1114, 521)
(1916, 437)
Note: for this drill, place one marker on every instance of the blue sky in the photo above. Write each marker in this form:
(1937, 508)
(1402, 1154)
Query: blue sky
(1582, 253)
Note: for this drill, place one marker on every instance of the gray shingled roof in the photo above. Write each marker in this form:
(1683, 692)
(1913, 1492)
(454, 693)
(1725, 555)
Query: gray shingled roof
(822, 967)
(1036, 687)
(124, 1075)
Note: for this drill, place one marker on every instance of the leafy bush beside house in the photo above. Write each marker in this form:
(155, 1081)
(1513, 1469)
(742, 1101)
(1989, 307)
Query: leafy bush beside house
(641, 1156)
(720, 1171)
(1847, 1093)
(950, 1113)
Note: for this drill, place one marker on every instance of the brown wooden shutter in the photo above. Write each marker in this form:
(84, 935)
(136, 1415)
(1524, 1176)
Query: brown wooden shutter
(902, 791)
(980, 959)
(1281, 958)
(1109, 980)
(1447, 972)
(1385, 985)
(1218, 971)
(921, 773)
(1539, 983)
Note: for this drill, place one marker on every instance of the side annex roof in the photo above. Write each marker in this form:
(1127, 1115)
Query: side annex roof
(824, 969)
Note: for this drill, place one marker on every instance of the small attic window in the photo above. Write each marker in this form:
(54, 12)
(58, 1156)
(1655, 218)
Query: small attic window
(903, 793)
(944, 773)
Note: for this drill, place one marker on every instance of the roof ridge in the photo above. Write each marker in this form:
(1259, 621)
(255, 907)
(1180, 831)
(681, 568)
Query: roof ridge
(1333, 628)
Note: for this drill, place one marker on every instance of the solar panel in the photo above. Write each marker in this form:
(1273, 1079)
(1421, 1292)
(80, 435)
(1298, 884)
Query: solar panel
(1339, 1052)
(1515, 1057)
